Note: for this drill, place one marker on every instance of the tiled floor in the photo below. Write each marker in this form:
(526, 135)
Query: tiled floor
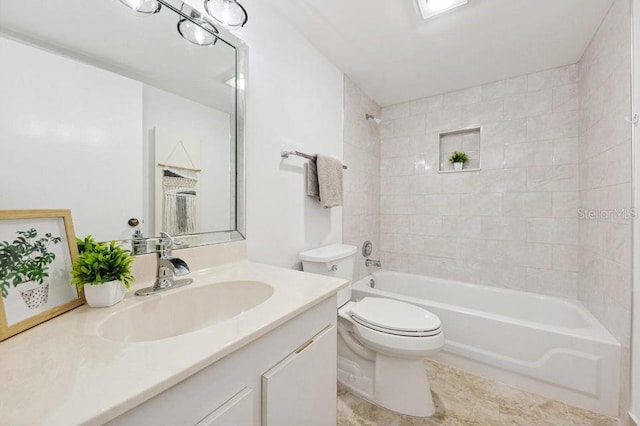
(464, 399)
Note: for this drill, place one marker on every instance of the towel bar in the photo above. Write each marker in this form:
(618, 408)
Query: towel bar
(286, 154)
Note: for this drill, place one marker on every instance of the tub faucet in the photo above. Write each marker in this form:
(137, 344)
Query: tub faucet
(168, 267)
(371, 262)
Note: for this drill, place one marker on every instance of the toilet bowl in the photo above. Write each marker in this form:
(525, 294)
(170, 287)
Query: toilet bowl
(381, 342)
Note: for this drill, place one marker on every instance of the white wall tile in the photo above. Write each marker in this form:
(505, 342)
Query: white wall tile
(529, 104)
(566, 98)
(395, 224)
(362, 183)
(442, 204)
(566, 151)
(465, 227)
(533, 255)
(428, 225)
(504, 88)
(552, 78)
(553, 178)
(528, 154)
(552, 231)
(463, 97)
(528, 204)
(551, 282)
(565, 204)
(481, 204)
(553, 126)
(513, 220)
(503, 228)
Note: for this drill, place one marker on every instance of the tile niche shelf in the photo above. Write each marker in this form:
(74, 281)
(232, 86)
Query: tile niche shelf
(466, 140)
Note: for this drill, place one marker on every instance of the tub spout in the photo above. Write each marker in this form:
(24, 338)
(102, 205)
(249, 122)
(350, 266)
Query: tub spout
(371, 262)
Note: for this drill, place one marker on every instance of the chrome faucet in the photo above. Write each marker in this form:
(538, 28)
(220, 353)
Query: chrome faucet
(168, 267)
(371, 262)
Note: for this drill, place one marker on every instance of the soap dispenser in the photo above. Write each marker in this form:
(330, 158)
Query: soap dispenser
(138, 243)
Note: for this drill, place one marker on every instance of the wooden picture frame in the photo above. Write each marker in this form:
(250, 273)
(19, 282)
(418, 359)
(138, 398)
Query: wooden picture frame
(37, 249)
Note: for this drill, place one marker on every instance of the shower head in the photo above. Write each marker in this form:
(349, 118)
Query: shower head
(371, 117)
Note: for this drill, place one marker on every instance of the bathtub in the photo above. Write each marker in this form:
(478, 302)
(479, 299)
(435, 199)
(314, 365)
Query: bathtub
(546, 345)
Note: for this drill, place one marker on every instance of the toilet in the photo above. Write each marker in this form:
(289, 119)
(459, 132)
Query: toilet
(381, 342)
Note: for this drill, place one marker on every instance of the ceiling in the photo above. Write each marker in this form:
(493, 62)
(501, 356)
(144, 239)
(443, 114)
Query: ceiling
(394, 55)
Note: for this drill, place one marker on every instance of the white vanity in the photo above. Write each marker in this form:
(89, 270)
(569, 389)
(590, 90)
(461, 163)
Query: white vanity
(273, 364)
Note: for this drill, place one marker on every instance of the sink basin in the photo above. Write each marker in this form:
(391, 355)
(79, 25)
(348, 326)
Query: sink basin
(173, 314)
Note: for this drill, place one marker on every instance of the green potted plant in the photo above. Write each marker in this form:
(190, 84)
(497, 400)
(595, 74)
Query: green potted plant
(458, 158)
(25, 262)
(104, 269)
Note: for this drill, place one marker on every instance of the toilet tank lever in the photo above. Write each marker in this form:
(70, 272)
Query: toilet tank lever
(333, 268)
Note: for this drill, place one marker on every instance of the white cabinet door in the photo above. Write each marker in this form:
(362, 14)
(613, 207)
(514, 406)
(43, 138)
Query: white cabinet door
(301, 389)
(238, 411)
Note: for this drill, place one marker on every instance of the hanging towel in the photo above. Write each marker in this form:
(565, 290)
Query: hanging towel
(329, 181)
(312, 179)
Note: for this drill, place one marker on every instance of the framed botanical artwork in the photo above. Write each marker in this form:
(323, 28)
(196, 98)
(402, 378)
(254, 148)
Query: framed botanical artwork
(37, 248)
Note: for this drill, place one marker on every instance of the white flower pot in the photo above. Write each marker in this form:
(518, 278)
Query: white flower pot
(104, 295)
(457, 166)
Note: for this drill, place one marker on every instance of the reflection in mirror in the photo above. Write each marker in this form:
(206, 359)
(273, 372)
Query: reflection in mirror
(127, 118)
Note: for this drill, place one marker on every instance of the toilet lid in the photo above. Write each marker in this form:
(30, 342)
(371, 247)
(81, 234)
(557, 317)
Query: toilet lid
(394, 316)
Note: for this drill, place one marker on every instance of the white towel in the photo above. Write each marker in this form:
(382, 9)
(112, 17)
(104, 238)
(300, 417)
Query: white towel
(329, 181)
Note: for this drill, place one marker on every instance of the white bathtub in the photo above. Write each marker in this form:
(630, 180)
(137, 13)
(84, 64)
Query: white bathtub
(550, 346)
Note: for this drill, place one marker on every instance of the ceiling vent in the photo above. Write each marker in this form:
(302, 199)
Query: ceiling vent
(432, 8)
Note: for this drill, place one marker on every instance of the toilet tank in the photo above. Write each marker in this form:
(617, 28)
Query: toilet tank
(335, 260)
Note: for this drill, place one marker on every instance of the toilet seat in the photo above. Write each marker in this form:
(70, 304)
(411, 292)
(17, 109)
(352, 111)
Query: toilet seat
(395, 317)
(374, 323)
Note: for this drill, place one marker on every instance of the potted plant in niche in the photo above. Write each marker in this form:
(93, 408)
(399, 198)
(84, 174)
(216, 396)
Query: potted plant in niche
(458, 158)
(104, 269)
(25, 262)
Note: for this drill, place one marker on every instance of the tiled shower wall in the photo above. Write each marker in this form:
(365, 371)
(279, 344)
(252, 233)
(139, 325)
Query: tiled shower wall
(605, 179)
(512, 224)
(362, 179)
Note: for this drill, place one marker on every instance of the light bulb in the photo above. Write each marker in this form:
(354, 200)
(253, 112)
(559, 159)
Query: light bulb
(146, 7)
(196, 32)
(226, 13)
(229, 13)
(438, 5)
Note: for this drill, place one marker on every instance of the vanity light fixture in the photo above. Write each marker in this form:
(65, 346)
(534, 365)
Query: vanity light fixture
(145, 7)
(197, 31)
(229, 13)
(432, 8)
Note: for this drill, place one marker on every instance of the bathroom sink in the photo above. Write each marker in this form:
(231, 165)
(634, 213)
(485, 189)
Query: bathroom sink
(173, 314)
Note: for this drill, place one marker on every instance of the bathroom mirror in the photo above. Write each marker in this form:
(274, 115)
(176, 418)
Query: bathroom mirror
(118, 115)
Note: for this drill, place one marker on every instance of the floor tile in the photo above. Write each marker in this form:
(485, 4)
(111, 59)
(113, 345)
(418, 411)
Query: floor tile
(462, 399)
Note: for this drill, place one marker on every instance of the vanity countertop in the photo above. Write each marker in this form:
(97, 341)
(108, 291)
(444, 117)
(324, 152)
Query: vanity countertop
(63, 372)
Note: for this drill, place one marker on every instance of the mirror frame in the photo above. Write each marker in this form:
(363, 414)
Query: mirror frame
(238, 228)
(242, 71)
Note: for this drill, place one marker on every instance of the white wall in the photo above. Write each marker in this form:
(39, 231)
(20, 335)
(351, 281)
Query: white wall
(294, 100)
(47, 111)
(192, 121)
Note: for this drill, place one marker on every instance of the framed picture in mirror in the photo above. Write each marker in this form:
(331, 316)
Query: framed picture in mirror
(37, 248)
